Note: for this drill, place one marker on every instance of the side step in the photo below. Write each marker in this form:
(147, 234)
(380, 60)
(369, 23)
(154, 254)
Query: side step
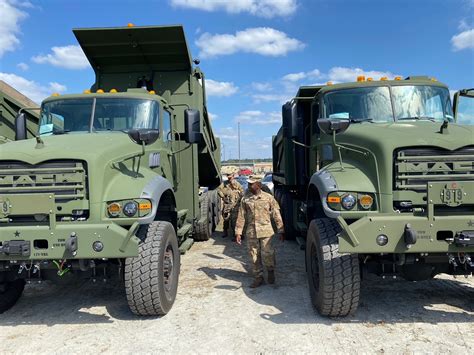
(186, 245)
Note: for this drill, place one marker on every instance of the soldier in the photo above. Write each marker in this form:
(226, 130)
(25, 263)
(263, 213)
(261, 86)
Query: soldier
(231, 193)
(257, 209)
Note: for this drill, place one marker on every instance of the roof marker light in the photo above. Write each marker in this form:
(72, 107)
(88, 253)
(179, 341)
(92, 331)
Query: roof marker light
(130, 24)
(152, 92)
(100, 91)
(433, 79)
(370, 79)
(329, 83)
(113, 91)
(55, 94)
(361, 78)
(398, 78)
(87, 91)
(383, 78)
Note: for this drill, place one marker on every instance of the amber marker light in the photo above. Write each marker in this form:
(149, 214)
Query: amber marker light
(398, 78)
(366, 201)
(55, 94)
(329, 83)
(130, 24)
(334, 199)
(144, 206)
(87, 91)
(113, 91)
(370, 79)
(114, 209)
(152, 92)
(361, 78)
(383, 78)
(100, 91)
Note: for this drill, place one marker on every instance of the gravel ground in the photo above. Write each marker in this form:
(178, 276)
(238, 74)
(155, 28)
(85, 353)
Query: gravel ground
(216, 312)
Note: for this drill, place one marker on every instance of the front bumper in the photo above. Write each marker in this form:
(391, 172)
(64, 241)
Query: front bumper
(360, 236)
(50, 243)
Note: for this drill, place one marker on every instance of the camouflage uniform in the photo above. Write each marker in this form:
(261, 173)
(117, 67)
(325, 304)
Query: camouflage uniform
(256, 213)
(231, 194)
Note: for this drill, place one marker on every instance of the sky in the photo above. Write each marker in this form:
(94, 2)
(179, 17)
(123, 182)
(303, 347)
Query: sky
(255, 53)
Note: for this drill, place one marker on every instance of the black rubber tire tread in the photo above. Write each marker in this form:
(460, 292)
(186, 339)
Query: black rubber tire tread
(216, 209)
(203, 231)
(144, 279)
(339, 274)
(13, 291)
(286, 208)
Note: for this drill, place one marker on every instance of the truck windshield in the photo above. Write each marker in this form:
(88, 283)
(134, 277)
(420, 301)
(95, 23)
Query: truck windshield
(375, 103)
(103, 114)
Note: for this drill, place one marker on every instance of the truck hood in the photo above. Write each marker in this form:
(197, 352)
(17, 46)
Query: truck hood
(409, 133)
(83, 146)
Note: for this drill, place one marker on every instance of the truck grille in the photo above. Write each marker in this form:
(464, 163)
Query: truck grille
(67, 180)
(415, 167)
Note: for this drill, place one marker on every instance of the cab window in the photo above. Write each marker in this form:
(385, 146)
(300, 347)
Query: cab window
(166, 125)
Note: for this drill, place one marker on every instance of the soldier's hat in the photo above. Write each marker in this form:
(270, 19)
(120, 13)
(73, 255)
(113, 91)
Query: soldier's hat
(254, 178)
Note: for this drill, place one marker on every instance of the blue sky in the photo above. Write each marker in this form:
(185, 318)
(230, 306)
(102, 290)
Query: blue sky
(255, 53)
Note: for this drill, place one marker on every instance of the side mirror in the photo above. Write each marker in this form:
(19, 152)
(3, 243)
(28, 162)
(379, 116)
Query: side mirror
(192, 126)
(289, 124)
(144, 136)
(329, 126)
(20, 127)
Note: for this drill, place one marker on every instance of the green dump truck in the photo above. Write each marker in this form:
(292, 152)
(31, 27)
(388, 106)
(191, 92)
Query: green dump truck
(11, 102)
(119, 179)
(378, 177)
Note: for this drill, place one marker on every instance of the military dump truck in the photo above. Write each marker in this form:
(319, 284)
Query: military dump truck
(378, 177)
(11, 102)
(119, 179)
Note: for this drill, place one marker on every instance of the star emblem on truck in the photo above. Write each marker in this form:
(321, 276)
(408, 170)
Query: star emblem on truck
(17, 234)
(470, 223)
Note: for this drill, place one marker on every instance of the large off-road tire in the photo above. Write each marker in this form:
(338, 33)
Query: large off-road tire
(216, 209)
(203, 230)
(151, 279)
(286, 208)
(334, 279)
(277, 195)
(10, 292)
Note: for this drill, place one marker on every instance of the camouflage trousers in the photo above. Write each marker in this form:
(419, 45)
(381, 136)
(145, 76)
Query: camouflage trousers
(262, 254)
(231, 223)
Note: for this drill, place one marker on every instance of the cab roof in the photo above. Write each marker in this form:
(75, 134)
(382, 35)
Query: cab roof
(144, 48)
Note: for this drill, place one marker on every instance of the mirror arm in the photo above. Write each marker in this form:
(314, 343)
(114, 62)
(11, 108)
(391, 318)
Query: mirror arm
(303, 145)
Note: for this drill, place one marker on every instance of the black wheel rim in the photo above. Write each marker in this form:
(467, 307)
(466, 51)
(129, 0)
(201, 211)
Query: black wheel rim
(168, 269)
(314, 267)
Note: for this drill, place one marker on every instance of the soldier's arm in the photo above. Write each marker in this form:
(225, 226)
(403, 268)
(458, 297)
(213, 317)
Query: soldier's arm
(276, 215)
(240, 222)
(220, 190)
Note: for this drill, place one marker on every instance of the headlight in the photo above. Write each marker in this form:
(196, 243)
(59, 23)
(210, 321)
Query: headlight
(348, 201)
(130, 209)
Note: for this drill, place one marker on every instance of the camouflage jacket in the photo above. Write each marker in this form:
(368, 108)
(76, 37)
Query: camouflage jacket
(230, 193)
(256, 212)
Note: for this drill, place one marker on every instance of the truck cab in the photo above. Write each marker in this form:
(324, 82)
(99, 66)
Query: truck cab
(378, 175)
(119, 179)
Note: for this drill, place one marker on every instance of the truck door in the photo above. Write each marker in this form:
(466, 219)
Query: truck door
(463, 106)
(169, 165)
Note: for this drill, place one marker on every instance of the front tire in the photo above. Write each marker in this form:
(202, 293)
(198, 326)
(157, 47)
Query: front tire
(151, 279)
(334, 279)
(10, 292)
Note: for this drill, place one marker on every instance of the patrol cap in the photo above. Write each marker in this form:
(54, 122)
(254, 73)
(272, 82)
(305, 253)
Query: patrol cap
(254, 178)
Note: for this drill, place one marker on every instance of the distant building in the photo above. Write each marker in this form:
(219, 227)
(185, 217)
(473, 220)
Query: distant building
(261, 168)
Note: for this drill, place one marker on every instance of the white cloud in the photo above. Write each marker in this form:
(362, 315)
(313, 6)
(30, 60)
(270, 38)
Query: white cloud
(32, 89)
(343, 74)
(463, 40)
(256, 117)
(23, 66)
(10, 28)
(261, 8)
(259, 98)
(69, 57)
(228, 133)
(262, 86)
(294, 77)
(213, 116)
(261, 40)
(220, 88)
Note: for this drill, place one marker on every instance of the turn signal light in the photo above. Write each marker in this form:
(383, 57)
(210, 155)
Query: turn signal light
(144, 206)
(366, 201)
(114, 209)
(334, 199)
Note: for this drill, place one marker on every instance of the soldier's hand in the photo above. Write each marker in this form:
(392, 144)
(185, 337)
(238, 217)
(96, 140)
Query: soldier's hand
(238, 239)
(282, 237)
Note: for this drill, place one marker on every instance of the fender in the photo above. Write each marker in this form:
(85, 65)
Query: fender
(333, 178)
(153, 191)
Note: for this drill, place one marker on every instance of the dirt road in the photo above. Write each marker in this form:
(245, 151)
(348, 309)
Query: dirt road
(216, 312)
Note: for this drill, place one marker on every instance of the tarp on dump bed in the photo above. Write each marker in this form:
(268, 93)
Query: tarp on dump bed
(156, 48)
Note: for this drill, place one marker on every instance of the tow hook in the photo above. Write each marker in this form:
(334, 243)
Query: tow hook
(71, 244)
(409, 236)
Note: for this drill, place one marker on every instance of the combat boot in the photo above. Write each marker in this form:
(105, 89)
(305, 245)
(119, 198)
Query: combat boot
(257, 282)
(271, 277)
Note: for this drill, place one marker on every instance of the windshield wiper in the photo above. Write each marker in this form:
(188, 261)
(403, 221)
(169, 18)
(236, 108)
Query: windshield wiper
(432, 119)
(359, 120)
